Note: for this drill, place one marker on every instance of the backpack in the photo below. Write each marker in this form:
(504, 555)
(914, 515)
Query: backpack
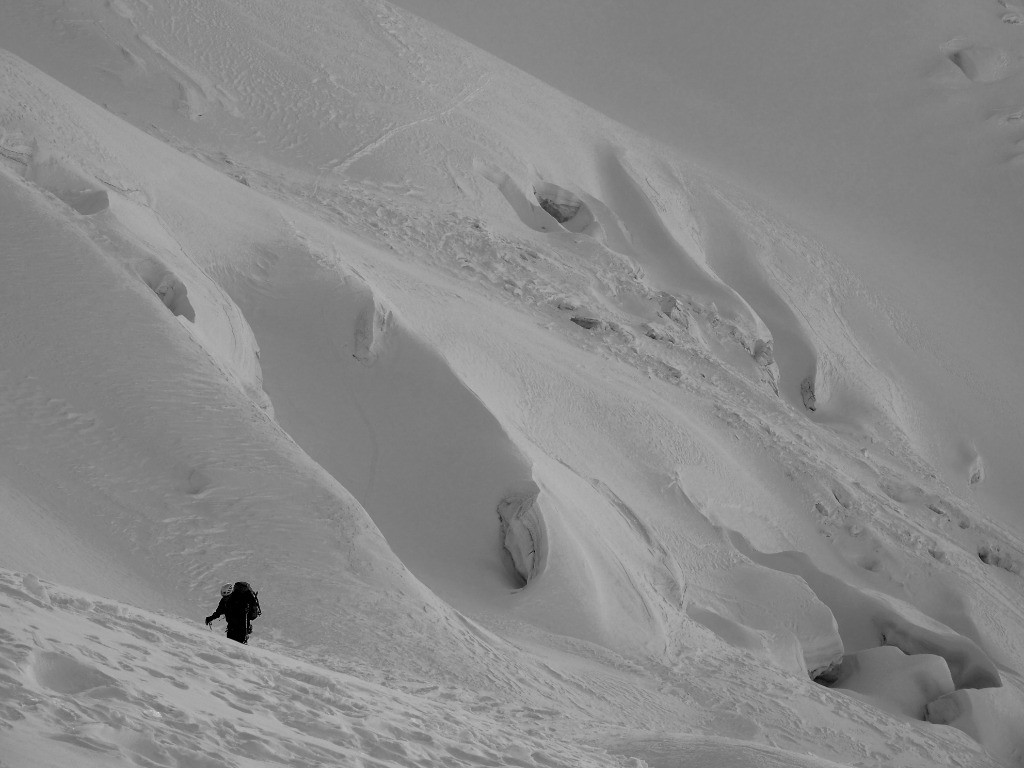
(252, 599)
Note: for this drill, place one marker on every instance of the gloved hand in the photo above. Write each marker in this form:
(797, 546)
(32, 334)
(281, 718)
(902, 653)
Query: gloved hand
(209, 620)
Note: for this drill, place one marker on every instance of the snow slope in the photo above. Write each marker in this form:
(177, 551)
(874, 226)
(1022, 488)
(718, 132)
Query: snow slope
(893, 132)
(504, 407)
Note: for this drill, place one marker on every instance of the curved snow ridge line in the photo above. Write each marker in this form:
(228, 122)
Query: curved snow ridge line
(192, 81)
(383, 412)
(770, 613)
(908, 665)
(658, 250)
(868, 619)
(95, 683)
(145, 246)
(741, 251)
(72, 186)
(629, 224)
(58, 152)
(800, 290)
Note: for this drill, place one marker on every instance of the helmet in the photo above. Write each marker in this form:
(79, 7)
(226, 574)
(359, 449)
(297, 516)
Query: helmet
(227, 589)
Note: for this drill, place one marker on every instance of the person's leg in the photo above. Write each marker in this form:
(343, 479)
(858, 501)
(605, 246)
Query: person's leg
(237, 633)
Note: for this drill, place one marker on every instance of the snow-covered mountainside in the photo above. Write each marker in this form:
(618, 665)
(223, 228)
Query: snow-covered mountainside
(543, 445)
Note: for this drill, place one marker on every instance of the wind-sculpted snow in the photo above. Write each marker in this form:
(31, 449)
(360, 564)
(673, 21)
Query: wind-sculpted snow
(910, 665)
(82, 194)
(898, 682)
(128, 228)
(866, 620)
(525, 366)
(523, 533)
(990, 716)
(763, 610)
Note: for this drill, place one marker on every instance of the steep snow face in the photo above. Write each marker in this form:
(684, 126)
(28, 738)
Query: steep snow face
(487, 394)
(894, 132)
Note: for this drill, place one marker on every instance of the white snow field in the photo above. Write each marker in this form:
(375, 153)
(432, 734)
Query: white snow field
(544, 443)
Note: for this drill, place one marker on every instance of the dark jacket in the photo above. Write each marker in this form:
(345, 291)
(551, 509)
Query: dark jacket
(238, 608)
(234, 608)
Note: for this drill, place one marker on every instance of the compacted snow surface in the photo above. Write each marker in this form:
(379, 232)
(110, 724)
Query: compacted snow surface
(544, 444)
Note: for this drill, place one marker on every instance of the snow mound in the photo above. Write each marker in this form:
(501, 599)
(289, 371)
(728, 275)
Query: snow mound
(894, 681)
(748, 601)
(994, 717)
(867, 619)
(64, 674)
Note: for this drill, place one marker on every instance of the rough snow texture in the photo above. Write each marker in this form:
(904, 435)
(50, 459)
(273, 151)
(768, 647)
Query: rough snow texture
(89, 682)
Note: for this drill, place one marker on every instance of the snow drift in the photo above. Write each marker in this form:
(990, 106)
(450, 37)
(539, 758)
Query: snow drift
(505, 407)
